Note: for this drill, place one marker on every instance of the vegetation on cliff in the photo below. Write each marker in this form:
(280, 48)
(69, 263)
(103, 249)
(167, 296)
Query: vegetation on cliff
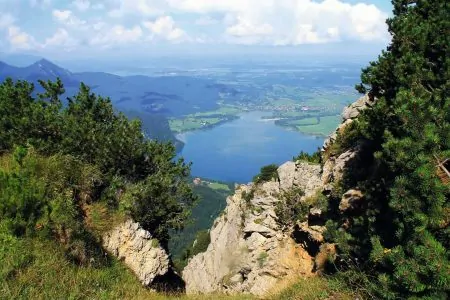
(57, 163)
(397, 246)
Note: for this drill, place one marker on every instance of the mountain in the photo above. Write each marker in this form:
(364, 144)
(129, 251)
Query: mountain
(155, 126)
(40, 70)
(167, 95)
(19, 60)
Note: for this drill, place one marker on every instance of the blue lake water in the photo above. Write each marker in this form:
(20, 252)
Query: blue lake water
(237, 150)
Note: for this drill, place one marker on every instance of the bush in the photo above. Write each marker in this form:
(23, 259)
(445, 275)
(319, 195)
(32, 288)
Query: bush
(314, 158)
(290, 209)
(267, 173)
(94, 153)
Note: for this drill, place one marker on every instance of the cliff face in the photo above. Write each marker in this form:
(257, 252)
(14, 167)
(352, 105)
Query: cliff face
(250, 251)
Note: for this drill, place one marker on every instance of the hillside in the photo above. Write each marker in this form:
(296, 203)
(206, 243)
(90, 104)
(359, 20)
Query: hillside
(167, 95)
(156, 126)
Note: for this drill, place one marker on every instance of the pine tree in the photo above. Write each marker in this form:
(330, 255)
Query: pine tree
(404, 234)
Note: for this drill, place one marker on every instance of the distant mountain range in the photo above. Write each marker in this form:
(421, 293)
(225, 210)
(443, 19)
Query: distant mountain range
(169, 95)
(152, 99)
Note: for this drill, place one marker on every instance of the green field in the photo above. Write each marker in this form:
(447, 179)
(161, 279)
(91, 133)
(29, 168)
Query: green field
(204, 119)
(303, 122)
(219, 186)
(326, 126)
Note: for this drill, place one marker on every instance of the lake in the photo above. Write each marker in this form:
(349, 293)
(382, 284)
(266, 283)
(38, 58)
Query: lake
(237, 150)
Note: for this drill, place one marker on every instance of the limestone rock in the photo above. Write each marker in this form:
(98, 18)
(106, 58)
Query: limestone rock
(135, 246)
(351, 200)
(353, 111)
(248, 252)
(286, 173)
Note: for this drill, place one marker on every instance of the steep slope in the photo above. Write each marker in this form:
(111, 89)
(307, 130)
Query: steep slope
(253, 249)
(249, 252)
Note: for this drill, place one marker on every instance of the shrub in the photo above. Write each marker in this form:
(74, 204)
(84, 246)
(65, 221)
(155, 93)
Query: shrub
(314, 158)
(290, 209)
(267, 173)
(262, 258)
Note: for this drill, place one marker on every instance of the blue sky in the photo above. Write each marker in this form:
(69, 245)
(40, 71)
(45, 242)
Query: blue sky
(95, 27)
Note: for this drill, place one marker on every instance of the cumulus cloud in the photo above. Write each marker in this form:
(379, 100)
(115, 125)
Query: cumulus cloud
(109, 23)
(67, 18)
(245, 27)
(165, 28)
(19, 39)
(294, 22)
(61, 38)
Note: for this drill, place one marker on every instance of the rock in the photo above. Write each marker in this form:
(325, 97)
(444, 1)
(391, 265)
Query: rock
(252, 227)
(315, 212)
(286, 174)
(247, 240)
(313, 233)
(249, 251)
(135, 246)
(353, 111)
(326, 253)
(351, 200)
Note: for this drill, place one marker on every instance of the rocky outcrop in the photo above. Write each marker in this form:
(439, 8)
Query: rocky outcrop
(135, 246)
(348, 116)
(249, 253)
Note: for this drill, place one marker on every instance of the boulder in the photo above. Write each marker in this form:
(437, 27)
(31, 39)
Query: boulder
(139, 251)
(353, 110)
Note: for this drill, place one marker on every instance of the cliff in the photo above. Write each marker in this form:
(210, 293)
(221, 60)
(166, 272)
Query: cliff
(253, 250)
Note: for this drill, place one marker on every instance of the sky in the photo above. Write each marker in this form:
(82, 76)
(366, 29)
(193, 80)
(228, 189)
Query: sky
(135, 27)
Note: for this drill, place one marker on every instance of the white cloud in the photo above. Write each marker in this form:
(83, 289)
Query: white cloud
(244, 28)
(293, 22)
(81, 5)
(61, 38)
(67, 18)
(19, 39)
(165, 28)
(117, 35)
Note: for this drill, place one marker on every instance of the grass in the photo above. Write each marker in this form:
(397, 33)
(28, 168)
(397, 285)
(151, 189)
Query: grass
(219, 186)
(51, 276)
(315, 288)
(203, 119)
(304, 122)
(326, 126)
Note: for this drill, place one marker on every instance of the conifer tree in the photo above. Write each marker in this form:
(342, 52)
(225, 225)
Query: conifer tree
(404, 234)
